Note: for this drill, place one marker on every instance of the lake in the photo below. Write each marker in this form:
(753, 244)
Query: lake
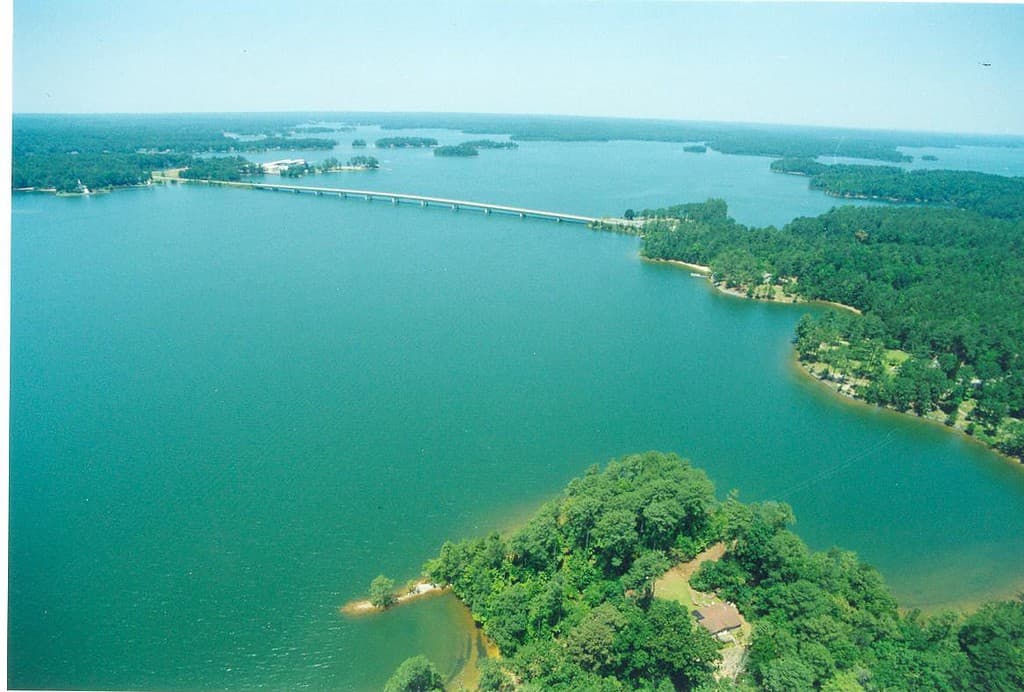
(231, 409)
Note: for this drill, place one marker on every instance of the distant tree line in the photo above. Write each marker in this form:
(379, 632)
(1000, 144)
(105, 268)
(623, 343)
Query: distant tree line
(101, 152)
(456, 150)
(491, 144)
(944, 286)
(221, 168)
(992, 195)
(68, 172)
(405, 142)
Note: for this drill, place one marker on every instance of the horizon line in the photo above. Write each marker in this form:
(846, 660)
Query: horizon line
(858, 128)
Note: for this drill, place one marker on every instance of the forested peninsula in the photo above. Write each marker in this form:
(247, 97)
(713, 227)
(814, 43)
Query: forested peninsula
(940, 292)
(89, 153)
(570, 600)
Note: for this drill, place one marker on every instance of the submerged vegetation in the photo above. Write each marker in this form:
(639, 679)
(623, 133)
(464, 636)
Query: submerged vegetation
(942, 288)
(569, 598)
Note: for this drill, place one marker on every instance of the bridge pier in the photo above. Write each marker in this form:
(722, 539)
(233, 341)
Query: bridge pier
(522, 215)
(487, 211)
(394, 200)
(423, 203)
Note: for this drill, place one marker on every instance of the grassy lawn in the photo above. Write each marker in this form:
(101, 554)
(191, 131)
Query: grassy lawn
(674, 585)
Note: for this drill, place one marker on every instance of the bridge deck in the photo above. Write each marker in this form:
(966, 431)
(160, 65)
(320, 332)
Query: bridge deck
(397, 197)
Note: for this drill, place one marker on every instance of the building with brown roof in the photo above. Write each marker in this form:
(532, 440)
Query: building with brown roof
(718, 617)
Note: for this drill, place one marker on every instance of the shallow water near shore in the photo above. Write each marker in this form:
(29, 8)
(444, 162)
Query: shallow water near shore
(231, 410)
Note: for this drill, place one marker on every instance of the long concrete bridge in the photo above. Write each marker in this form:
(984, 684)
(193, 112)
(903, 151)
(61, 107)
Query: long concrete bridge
(400, 198)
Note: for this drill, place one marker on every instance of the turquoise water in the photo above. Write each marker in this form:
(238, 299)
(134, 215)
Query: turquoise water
(230, 410)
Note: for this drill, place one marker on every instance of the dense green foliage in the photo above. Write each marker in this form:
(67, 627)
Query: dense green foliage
(297, 170)
(491, 144)
(943, 285)
(456, 150)
(382, 591)
(416, 674)
(472, 147)
(405, 142)
(64, 152)
(130, 134)
(992, 195)
(221, 168)
(826, 620)
(358, 143)
(568, 598)
(363, 162)
(69, 172)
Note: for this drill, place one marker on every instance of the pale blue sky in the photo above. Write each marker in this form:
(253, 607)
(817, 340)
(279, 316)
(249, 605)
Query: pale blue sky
(877, 66)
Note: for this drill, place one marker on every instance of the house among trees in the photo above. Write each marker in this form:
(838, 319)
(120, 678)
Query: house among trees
(719, 619)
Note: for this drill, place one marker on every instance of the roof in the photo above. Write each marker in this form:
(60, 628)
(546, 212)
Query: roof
(718, 617)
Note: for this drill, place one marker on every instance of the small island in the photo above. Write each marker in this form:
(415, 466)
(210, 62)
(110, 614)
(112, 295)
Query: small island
(929, 157)
(456, 150)
(358, 143)
(405, 143)
(473, 147)
(695, 149)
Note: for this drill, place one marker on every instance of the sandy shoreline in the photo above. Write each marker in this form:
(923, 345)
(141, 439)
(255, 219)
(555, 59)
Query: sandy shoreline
(834, 387)
(418, 590)
(722, 288)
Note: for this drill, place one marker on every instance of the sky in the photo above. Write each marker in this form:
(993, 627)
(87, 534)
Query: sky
(888, 66)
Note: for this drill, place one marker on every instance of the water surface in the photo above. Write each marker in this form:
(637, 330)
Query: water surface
(232, 409)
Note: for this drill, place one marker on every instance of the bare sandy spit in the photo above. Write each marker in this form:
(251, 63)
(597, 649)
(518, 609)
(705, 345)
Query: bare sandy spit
(420, 589)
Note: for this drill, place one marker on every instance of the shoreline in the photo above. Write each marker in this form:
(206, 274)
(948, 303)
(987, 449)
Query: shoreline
(416, 591)
(721, 288)
(836, 387)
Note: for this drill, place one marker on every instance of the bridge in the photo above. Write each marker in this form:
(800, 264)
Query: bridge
(400, 198)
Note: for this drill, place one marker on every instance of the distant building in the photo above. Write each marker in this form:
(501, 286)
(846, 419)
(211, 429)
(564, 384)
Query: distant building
(719, 618)
(275, 167)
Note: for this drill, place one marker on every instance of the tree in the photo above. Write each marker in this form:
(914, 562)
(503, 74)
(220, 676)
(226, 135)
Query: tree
(493, 678)
(641, 575)
(382, 591)
(416, 674)
(1013, 442)
(629, 215)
